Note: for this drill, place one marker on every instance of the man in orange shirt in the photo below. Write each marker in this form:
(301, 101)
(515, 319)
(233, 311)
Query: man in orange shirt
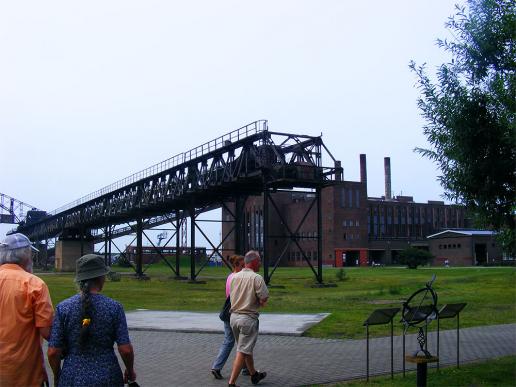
(26, 315)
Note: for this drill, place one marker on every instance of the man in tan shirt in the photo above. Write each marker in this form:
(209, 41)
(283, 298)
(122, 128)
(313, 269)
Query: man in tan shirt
(248, 294)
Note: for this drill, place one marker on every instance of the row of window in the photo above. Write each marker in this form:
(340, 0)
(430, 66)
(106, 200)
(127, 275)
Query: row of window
(411, 220)
(308, 235)
(415, 215)
(350, 223)
(254, 222)
(349, 198)
(449, 246)
(349, 236)
(297, 256)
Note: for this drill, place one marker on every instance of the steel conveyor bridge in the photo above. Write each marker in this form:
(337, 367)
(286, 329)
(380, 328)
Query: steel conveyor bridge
(251, 160)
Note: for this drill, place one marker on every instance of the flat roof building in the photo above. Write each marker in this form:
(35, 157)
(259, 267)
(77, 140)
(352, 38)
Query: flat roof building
(463, 247)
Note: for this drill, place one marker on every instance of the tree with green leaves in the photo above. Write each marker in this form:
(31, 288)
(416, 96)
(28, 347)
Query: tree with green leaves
(469, 110)
(414, 257)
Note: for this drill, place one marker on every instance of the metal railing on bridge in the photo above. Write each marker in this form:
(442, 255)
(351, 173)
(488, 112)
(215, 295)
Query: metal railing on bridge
(192, 154)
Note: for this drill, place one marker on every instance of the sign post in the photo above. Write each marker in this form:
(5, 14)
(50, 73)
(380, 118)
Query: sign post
(450, 311)
(380, 317)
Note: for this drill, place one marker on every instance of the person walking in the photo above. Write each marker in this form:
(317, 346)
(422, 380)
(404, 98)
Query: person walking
(84, 330)
(237, 263)
(26, 314)
(248, 293)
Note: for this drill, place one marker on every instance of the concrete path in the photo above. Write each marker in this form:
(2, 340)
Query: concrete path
(184, 359)
(270, 323)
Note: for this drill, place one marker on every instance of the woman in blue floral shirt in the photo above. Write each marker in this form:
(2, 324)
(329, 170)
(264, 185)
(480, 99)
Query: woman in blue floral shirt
(84, 330)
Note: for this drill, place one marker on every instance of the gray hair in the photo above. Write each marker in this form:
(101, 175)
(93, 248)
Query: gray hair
(17, 256)
(250, 256)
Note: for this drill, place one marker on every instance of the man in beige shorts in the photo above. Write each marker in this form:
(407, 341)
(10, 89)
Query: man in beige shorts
(248, 294)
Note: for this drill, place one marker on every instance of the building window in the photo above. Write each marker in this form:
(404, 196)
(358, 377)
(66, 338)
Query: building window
(350, 198)
(458, 245)
(344, 236)
(357, 198)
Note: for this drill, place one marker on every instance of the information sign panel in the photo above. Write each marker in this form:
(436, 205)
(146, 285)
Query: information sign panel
(451, 310)
(381, 316)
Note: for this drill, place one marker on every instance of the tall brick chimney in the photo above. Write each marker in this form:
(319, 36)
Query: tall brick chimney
(387, 168)
(363, 171)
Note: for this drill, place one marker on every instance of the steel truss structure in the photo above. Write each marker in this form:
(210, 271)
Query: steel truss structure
(251, 160)
(14, 211)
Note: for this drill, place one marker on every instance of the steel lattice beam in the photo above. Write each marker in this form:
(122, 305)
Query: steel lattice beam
(240, 167)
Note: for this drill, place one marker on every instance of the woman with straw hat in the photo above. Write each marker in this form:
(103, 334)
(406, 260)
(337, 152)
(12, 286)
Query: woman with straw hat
(85, 328)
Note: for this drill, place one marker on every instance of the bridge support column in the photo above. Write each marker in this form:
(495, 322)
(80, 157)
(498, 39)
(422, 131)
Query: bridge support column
(265, 257)
(178, 236)
(109, 244)
(139, 248)
(319, 236)
(192, 245)
(45, 254)
(106, 241)
(67, 252)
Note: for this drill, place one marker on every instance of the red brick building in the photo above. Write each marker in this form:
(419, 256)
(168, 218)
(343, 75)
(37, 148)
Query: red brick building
(465, 247)
(356, 229)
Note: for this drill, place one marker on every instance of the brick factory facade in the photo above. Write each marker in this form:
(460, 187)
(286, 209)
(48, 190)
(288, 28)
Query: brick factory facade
(356, 229)
(466, 248)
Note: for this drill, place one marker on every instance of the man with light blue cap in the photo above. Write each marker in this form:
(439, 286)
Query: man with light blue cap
(26, 315)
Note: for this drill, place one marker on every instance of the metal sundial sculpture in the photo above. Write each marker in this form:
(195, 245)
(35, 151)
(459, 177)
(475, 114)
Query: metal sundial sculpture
(418, 311)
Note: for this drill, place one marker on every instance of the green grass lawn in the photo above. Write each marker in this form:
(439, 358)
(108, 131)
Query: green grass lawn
(499, 372)
(489, 292)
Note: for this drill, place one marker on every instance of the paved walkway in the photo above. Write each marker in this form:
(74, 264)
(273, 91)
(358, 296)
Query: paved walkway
(172, 321)
(184, 359)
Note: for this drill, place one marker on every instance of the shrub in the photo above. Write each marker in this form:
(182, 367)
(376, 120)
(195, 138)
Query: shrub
(123, 261)
(340, 275)
(413, 257)
(114, 276)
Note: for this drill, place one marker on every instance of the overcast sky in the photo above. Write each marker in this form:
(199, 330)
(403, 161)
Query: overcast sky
(91, 92)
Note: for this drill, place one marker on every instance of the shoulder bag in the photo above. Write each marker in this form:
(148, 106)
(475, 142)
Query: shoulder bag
(225, 313)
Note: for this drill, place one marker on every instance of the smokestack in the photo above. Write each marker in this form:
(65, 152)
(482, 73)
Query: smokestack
(387, 167)
(363, 171)
(339, 172)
